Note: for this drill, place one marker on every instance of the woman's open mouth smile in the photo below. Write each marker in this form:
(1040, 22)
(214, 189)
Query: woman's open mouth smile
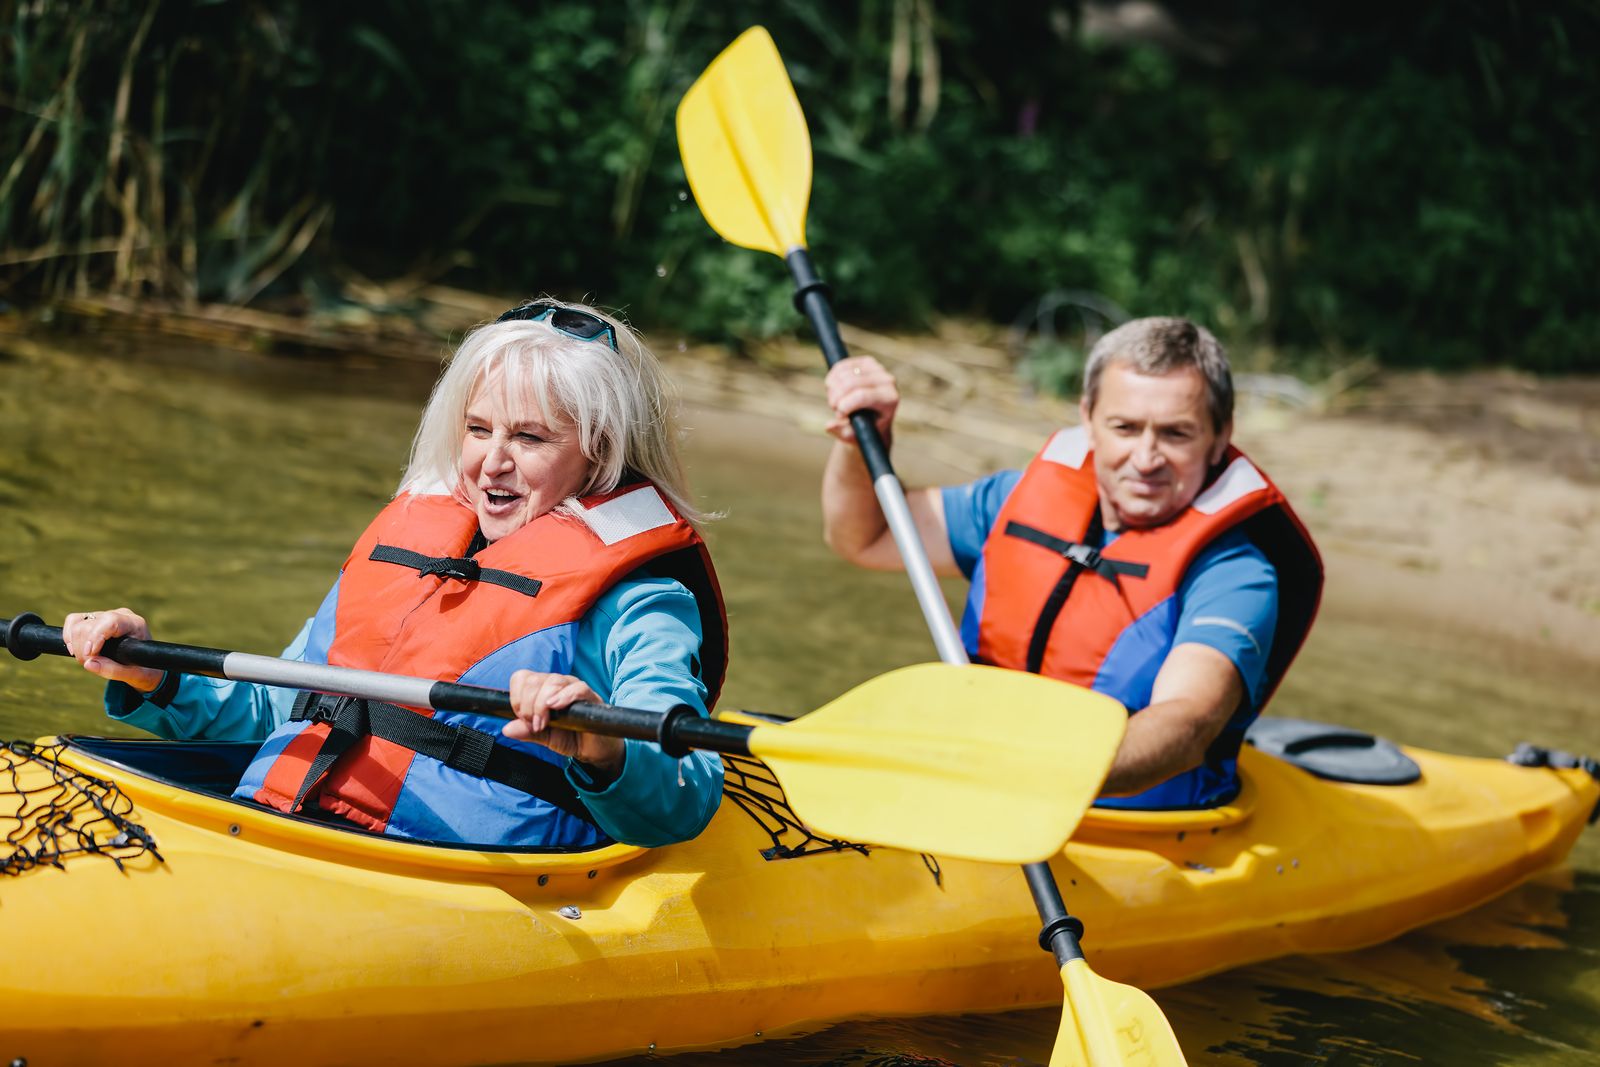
(500, 501)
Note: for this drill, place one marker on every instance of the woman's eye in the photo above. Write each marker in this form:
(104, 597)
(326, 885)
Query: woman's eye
(531, 437)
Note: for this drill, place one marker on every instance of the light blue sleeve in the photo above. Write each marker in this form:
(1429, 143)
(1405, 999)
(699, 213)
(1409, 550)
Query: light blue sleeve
(1229, 601)
(969, 514)
(639, 647)
(210, 709)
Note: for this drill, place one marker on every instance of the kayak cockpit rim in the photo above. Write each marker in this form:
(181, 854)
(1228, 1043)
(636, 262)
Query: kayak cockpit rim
(214, 809)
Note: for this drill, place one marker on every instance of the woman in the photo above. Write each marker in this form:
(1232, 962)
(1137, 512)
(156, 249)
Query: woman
(542, 540)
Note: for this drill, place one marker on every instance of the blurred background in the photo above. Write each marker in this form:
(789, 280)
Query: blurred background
(1317, 181)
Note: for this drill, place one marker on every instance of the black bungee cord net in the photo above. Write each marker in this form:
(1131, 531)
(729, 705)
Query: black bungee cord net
(750, 784)
(66, 814)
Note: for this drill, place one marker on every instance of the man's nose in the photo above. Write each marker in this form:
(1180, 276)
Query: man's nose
(1147, 453)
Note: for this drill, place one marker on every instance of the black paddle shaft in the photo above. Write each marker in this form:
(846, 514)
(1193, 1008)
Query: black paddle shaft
(28, 637)
(1061, 932)
(677, 731)
(811, 299)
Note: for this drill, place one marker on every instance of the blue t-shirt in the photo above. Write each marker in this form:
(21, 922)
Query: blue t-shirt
(1228, 598)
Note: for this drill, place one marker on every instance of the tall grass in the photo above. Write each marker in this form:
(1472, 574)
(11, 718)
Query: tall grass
(137, 162)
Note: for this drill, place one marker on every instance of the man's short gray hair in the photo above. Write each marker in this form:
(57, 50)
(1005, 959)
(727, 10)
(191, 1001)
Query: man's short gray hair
(1160, 346)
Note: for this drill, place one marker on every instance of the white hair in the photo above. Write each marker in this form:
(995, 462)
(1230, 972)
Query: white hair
(619, 402)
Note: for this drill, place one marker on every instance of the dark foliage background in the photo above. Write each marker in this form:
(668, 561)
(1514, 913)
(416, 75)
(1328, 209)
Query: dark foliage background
(1415, 181)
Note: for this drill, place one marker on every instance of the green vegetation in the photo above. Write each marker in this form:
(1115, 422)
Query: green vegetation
(1416, 181)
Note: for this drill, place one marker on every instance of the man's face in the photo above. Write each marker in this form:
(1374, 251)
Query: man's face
(1153, 442)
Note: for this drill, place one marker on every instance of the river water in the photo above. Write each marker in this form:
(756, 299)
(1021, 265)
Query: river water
(217, 493)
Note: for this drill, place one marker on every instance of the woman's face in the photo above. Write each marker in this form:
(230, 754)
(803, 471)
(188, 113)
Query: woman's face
(516, 466)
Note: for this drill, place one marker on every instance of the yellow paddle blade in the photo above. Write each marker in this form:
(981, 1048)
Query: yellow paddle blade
(972, 762)
(1108, 1024)
(746, 149)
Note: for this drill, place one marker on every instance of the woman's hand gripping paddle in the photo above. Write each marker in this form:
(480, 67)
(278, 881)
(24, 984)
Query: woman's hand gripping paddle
(747, 154)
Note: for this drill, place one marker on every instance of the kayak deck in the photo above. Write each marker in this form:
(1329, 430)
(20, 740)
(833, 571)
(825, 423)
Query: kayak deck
(258, 938)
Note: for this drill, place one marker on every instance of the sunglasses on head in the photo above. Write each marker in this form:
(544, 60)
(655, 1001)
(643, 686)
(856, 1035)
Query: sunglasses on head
(570, 321)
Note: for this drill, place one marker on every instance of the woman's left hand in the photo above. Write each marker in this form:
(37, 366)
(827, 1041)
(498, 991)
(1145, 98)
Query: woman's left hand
(534, 695)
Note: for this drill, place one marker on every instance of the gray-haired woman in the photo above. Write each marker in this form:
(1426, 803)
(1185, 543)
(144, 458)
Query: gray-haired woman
(542, 540)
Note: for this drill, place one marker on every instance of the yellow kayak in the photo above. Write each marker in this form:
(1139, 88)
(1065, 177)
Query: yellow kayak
(176, 926)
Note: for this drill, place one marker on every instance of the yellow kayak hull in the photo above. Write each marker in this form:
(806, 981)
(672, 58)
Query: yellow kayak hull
(259, 939)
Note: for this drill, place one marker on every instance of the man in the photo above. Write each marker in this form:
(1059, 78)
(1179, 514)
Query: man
(1139, 554)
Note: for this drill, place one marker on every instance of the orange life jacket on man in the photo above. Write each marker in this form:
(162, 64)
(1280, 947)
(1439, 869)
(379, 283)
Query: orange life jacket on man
(411, 601)
(1052, 601)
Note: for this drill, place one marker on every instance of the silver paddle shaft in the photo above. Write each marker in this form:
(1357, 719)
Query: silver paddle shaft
(892, 499)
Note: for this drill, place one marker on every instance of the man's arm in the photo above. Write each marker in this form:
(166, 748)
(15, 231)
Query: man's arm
(1195, 694)
(853, 524)
(852, 521)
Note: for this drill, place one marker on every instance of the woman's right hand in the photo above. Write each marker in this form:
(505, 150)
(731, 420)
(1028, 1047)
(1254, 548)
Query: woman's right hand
(861, 383)
(85, 633)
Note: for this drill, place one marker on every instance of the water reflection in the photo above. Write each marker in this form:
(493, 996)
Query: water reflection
(218, 492)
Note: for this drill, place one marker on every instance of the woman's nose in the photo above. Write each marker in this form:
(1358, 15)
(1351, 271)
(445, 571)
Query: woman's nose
(499, 457)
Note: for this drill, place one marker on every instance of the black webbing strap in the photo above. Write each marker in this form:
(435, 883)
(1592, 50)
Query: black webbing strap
(1083, 555)
(1080, 558)
(459, 747)
(347, 723)
(466, 570)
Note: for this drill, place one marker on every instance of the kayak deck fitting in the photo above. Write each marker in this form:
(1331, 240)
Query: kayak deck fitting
(236, 934)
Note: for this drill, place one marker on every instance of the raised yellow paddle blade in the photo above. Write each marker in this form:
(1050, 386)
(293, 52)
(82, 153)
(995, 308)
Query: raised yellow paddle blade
(746, 148)
(972, 762)
(1107, 1024)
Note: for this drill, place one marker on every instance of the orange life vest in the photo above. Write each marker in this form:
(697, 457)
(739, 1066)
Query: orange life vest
(410, 601)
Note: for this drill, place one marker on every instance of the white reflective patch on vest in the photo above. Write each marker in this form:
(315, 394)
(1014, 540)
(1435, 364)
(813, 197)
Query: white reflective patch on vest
(1069, 447)
(1239, 480)
(625, 516)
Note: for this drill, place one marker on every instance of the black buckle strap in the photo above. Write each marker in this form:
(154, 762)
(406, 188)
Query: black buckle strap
(1080, 559)
(1090, 559)
(347, 723)
(460, 748)
(465, 570)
